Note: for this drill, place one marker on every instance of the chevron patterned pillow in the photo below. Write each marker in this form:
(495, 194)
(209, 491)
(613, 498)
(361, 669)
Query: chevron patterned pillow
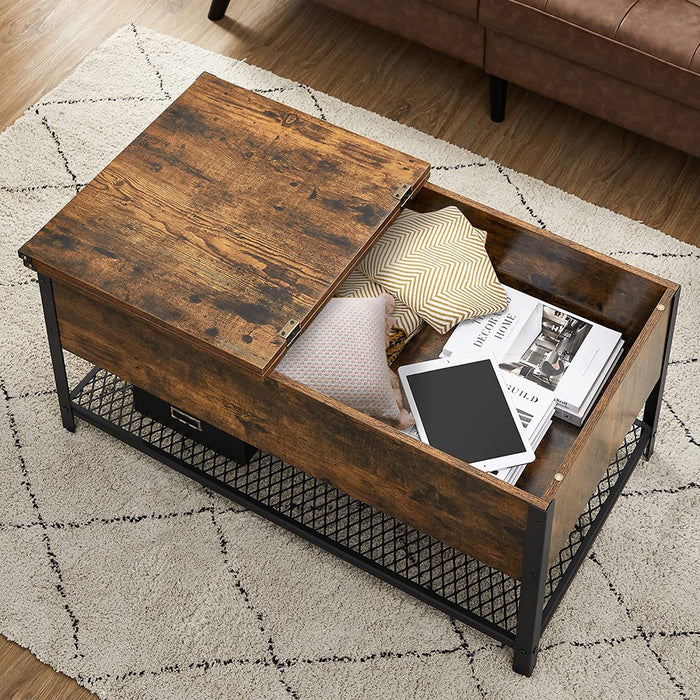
(359, 285)
(436, 263)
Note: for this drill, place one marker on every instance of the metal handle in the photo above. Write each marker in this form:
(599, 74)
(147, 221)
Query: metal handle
(186, 418)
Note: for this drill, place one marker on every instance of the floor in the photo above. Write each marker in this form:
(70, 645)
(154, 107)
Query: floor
(42, 41)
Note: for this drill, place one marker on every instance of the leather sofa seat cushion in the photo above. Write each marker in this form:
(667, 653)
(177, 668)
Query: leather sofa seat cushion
(652, 43)
(465, 8)
(448, 26)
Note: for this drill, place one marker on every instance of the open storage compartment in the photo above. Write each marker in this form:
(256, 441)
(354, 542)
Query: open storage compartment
(155, 306)
(571, 460)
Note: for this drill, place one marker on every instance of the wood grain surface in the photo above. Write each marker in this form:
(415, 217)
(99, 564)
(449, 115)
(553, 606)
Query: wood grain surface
(228, 217)
(605, 428)
(584, 282)
(360, 455)
(23, 677)
(373, 463)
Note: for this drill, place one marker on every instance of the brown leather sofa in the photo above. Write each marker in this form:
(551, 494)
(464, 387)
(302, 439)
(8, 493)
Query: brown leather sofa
(635, 63)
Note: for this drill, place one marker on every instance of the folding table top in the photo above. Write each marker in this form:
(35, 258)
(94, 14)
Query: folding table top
(230, 220)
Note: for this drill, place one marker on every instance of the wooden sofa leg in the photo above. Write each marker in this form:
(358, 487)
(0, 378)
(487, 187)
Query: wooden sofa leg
(217, 9)
(497, 93)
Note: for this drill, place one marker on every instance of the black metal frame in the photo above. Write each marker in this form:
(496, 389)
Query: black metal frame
(652, 407)
(512, 612)
(59, 365)
(217, 9)
(531, 603)
(498, 92)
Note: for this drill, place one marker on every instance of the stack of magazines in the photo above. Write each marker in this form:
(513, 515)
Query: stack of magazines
(535, 407)
(564, 354)
(554, 363)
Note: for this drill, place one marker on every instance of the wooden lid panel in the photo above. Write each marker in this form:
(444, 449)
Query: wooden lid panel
(229, 216)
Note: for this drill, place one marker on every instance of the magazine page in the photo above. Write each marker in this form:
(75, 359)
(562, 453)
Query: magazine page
(517, 324)
(534, 404)
(514, 473)
(546, 345)
(578, 416)
(535, 407)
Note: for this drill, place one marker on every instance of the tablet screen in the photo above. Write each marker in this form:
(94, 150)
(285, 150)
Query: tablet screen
(464, 412)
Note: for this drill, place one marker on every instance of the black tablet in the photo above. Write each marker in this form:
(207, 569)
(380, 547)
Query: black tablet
(461, 406)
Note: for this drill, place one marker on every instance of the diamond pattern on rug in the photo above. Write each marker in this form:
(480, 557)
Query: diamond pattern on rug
(664, 536)
(40, 603)
(619, 669)
(589, 591)
(15, 507)
(231, 678)
(121, 70)
(158, 570)
(83, 477)
(427, 674)
(680, 653)
(681, 404)
(92, 152)
(142, 584)
(675, 463)
(344, 598)
(32, 158)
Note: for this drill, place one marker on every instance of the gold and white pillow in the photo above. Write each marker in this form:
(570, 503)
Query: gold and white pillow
(436, 263)
(358, 284)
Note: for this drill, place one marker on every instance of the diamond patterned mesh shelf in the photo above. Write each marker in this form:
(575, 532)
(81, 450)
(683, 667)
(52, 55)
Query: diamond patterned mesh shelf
(462, 582)
(595, 503)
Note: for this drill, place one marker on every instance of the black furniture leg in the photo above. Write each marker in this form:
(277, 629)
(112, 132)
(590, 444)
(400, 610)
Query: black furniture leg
(217, 9)
(652, 407)
(498, 89)
(531, 600)
(59, 366)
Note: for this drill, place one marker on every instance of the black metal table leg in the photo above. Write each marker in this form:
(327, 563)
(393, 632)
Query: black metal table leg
(498, 89)
(532, 585)
(59, 365)
(562, 572)
(217, 9)
(652, 407)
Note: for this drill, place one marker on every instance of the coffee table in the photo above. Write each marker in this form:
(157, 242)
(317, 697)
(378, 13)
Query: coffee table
(191, 263)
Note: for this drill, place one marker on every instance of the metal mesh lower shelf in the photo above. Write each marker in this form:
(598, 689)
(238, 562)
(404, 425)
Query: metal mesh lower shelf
(458, 583)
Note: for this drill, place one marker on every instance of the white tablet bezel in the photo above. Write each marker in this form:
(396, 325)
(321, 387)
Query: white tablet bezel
(509, 460)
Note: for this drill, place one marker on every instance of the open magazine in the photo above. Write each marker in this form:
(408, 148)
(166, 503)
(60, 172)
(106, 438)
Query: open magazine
(551, 348)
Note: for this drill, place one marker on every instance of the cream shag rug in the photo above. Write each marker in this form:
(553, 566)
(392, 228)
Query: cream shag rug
(141, 584)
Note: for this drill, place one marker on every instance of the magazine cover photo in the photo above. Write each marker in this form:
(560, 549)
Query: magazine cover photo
(545, 359)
